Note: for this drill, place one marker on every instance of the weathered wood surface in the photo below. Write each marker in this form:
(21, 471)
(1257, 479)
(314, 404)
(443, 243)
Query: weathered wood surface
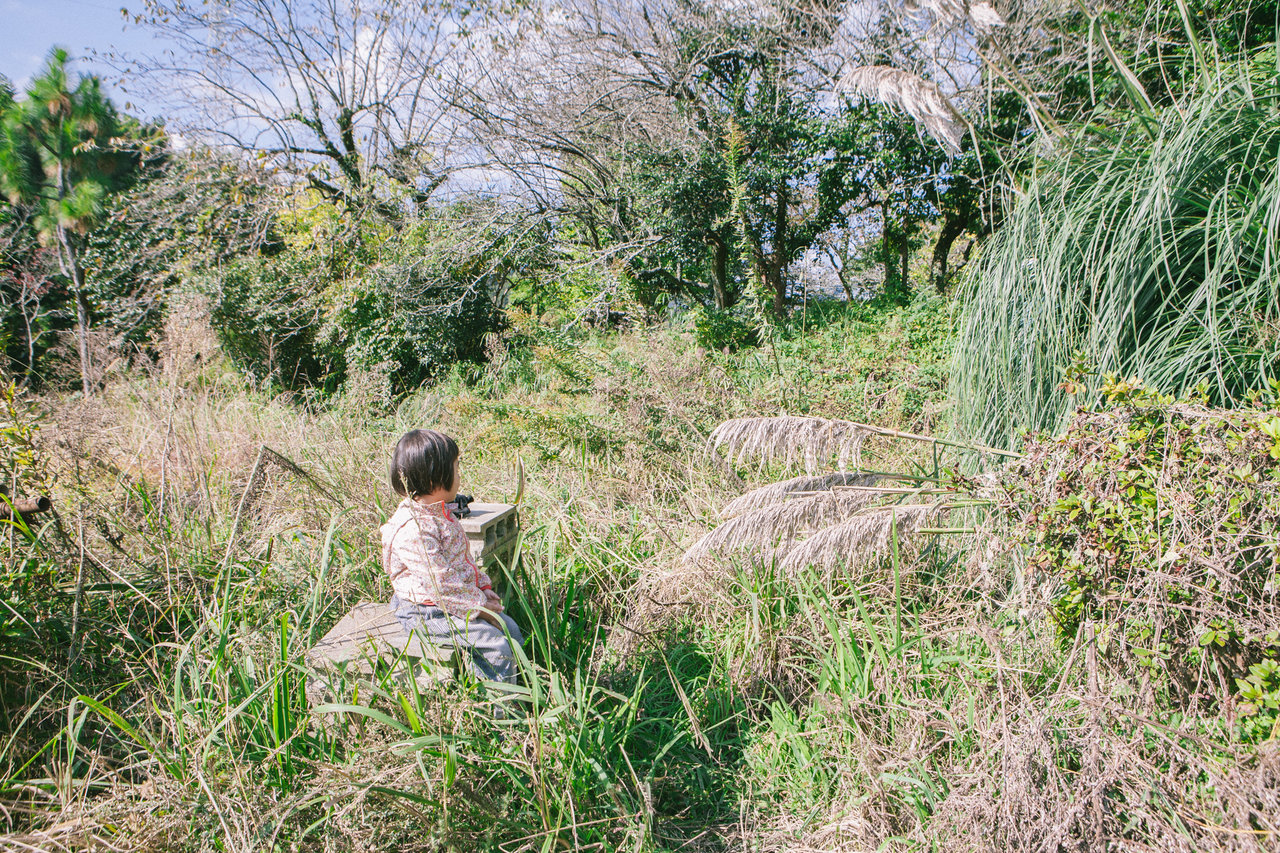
(368, 637)
(369, 633)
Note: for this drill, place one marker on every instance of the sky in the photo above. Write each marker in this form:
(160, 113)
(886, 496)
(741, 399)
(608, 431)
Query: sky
(31, 27)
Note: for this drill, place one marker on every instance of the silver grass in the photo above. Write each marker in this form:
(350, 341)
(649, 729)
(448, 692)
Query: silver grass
(1134, 258)
(982, 15)
(773, 530)
(860, 538)
(789, 439)
(776, 492)
(917, 97)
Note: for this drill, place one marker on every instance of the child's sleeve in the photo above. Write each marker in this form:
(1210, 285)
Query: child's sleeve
(452, 588)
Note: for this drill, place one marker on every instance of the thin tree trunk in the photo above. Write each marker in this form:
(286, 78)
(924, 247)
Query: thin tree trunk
(844, 282)
(719, 270)
(886, 252)
(31, 342)
(71, 269)
(904, 256)
(778, 261)
(952, 228)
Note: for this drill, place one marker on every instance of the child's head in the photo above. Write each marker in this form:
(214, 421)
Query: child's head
(423, 463)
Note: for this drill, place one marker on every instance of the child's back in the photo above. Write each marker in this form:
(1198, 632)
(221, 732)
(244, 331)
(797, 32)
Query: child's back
(439, 590)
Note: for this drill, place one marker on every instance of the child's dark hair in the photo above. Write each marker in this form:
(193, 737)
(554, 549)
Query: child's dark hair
(423, 462)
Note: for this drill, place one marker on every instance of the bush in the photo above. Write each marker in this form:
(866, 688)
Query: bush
(267, 312)
(723, 330)
(28, 578)
(399, 308)
(1156, 522)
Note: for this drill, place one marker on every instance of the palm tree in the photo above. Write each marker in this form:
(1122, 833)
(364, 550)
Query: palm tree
(60, 155)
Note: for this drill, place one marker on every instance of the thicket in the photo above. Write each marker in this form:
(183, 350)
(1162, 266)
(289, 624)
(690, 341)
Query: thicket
(181, 663)
(732, 641)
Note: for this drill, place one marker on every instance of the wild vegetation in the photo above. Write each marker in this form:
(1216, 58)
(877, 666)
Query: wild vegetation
(892, 387)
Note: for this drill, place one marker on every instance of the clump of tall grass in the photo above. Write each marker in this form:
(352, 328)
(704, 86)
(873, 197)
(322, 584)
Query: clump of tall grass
(1133, 255)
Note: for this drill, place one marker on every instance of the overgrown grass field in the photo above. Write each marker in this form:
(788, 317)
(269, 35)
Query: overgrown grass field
(922, 697)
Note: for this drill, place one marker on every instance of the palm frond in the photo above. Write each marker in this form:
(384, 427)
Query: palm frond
(917, 97)
(859, 539)
(775, 492)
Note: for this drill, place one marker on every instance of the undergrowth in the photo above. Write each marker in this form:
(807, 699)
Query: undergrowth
(154, 674)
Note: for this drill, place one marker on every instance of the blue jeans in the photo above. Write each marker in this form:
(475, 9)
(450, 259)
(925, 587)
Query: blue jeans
(492, 656)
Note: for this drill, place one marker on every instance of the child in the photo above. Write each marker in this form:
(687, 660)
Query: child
(439, 590)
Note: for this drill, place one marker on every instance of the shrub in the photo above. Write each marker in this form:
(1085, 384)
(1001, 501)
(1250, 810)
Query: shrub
(267, 312)
(1156, 521)
(724, 330)
(27, 575)
(401, 307)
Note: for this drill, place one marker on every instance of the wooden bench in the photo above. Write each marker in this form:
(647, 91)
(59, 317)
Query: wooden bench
(370, 637)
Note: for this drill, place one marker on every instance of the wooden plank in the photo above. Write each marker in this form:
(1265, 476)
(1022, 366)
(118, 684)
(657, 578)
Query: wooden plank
(371, 631)
(368, 637)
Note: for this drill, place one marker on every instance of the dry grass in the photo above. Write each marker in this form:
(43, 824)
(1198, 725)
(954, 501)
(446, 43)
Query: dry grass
(941, 711)
(776, 492)
(862, 538)
(791, 440)
(917, 97)
(772, 531)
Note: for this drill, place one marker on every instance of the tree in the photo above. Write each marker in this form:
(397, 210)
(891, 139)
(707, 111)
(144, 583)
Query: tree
(29, 308)
(343, 96)
(621, 114)
(632, 107)
(197, 209)
(61, 155)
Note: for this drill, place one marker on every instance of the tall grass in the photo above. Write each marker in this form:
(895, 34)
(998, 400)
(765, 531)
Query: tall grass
(918, 700)
(175, 704)
(1128, 255)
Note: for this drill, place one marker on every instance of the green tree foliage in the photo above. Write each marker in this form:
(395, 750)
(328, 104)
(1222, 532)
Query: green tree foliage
(777, 168)
(187, 212)
(61, 155)
(31, 314)
(397, 307)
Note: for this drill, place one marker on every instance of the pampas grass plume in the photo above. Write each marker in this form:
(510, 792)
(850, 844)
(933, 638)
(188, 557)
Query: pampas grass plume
(917, 97)
(775, 492)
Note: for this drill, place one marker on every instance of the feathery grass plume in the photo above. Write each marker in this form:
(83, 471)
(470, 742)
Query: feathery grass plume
(787, 438)
(860, 538)
(917, 97)
(982, 15)
(772, 531)
(775, 492)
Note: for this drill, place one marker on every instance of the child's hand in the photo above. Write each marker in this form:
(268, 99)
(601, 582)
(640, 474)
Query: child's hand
(491, 617)
(492, 602)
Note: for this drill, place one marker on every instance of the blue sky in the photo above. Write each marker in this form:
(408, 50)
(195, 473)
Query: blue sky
(31, 27)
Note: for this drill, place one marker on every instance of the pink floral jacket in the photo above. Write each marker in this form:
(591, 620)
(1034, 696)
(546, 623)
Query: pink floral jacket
(426, 554)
